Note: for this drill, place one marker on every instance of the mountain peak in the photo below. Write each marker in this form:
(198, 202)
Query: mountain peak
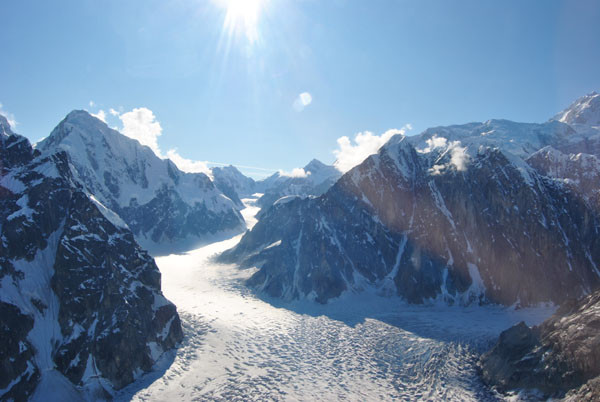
(584, 111)
(5, 126)
(314, 164)
(83, 118)
(84, 124)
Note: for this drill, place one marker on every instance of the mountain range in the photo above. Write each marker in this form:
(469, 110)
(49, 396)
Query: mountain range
(314, 179)
(499, 212)
(493, 212)
(165, 208)
(82, 310)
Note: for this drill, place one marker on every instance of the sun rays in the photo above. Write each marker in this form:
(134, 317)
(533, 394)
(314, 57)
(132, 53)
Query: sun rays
(242, 17)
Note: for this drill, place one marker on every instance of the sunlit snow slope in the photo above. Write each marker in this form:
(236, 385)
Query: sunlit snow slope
(364, 347)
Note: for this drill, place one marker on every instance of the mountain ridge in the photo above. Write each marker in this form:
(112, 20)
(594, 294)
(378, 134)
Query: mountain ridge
(496, 219)
(162, 205)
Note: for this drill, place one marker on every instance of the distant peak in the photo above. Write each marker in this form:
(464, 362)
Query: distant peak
(314, 165)
(585, 111)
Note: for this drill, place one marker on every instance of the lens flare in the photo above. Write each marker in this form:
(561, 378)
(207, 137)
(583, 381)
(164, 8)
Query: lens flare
(241, 16)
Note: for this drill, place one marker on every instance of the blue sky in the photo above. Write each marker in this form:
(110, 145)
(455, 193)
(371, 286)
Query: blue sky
(231, 94)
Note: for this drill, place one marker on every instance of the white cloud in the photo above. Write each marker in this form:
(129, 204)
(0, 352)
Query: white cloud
(458, 154)
(141, 124)
(366, 143)
(188, 165)
(100, 115)
(433, 143)
(92, 104)
(296, 173)
(302, 101)
(9, 116)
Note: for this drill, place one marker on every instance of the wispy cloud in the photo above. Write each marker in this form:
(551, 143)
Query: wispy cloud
(302, 101)
(296, 173)
(351, 153)
(9, 116)
(188, 165)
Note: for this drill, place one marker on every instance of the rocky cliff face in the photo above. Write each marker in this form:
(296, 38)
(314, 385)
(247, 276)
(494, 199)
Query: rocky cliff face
(435, 223)
(579, 172)
(79, 299)
(163, 206)
(560, 356)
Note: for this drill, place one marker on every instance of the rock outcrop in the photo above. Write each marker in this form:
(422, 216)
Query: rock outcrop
(79, 299)
(560, 356)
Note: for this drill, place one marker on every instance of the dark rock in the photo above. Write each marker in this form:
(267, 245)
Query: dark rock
(18, 372)
(559, 356)
(71, 265)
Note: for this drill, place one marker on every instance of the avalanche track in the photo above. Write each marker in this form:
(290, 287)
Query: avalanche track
(239, 346)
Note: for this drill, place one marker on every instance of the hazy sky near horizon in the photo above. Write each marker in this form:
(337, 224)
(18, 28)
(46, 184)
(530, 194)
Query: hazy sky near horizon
(275, 83)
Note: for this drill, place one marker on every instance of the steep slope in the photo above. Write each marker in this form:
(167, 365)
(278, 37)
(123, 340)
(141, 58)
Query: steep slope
(583, 116)
(560, 355)
(318, 179)
(462, 225)
(585, 111)
(163, 207)
(233, 183)
(80, 302)
(580, 172)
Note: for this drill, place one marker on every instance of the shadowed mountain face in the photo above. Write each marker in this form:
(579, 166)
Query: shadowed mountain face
(556, 357)
(450, 214)
(579, 172)
(79, 299)
(162, 205)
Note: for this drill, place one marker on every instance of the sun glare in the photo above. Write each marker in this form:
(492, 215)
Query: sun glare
(241, 16)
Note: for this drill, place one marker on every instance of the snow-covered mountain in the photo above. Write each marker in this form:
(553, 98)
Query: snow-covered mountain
(164, 207)
(233, 183)
(520, 139)
(312, 180)
(315, 180)
(81, 309)
(585, 111)
(558, 357)
(455, 213)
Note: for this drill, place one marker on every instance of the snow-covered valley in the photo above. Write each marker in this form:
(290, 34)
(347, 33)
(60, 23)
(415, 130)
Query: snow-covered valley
(240, 346)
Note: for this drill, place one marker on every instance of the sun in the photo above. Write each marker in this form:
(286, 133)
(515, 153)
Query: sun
(241, 16)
